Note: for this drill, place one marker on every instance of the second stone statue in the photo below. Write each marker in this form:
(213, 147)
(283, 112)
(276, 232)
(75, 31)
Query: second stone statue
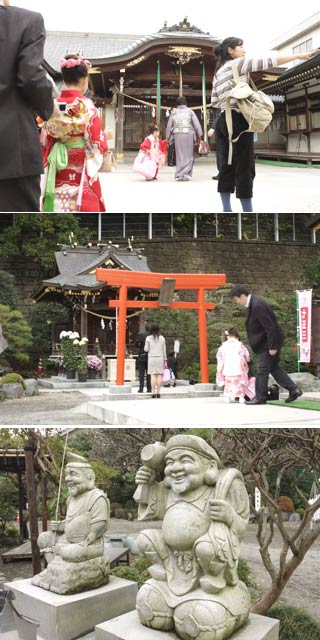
(194, 587)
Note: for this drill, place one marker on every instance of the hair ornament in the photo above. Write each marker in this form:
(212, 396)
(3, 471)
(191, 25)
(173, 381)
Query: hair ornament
(74, 62)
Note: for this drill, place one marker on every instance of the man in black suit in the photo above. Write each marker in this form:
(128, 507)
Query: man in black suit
(143, 359)
(25, 91)
(266, 339)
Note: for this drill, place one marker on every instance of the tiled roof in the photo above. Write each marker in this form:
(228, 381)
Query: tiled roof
(76, 264)
(105, 45)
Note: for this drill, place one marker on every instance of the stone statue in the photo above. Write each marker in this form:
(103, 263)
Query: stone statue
(194, 587)
(74, 548)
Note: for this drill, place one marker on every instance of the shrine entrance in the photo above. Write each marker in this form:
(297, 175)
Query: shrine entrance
(166, 284)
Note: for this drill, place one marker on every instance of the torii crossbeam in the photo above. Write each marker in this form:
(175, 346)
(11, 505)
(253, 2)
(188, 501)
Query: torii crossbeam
(149, 280)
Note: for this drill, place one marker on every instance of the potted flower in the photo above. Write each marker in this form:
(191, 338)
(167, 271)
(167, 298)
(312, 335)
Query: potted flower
(94, 365)
(70, 352)
(82, 360)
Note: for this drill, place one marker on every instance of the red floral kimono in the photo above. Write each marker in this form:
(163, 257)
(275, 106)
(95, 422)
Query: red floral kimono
(74, 144)
(156, 149)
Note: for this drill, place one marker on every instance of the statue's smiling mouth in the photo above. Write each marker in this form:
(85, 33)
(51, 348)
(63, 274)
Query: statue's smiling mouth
(179, 477)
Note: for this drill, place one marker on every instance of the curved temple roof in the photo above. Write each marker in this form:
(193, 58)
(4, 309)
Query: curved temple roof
(105, 47)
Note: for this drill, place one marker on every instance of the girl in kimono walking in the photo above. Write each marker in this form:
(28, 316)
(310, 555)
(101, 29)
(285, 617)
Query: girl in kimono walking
(233, 369)
(155, 148)
(74, 144)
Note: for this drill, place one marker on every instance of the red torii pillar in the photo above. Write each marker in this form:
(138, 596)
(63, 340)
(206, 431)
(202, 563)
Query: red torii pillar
(149, 280)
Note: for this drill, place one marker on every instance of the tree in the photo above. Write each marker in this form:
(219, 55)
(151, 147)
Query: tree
(9, 502)
(18, 334)
(37, 236)
(7, 290)
(41, 316)
(257, 452)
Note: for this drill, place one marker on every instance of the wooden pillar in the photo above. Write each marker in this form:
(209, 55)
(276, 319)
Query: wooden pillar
(29, 449)
(120, 123)
(43, 482)
(121, 334)
(84, 324)
(21, 506)
(203, 342)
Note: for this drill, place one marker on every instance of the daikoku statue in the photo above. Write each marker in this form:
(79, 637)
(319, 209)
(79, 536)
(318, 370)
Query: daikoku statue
(194, 587)
(74, 548)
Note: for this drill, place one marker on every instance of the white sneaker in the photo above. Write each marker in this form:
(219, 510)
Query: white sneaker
(226, 399)
(242, 400)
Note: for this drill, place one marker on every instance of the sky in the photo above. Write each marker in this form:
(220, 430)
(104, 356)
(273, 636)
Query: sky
(242, 19)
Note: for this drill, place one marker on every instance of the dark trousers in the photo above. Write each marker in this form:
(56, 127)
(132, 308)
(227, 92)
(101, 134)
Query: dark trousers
(20, 194)
(270, 364)
(240, 174)
(142, 370)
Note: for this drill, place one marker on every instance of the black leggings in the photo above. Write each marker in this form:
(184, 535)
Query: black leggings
(240, 174)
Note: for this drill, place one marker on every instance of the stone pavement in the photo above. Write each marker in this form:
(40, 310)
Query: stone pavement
(276, 189)
(172, 411)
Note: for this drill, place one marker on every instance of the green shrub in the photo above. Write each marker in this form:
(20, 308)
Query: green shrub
(9, 536)
(137, 571)
(12, 378)
(295, 623)
(244, 572)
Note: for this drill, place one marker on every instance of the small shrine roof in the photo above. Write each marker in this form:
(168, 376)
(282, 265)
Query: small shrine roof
(77, 265)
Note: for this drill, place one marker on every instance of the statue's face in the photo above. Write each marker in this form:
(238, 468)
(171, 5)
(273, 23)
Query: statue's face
(184, 470)
(77, 480)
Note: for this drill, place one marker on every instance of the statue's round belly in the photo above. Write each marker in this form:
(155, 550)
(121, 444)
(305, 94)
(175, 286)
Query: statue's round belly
(183, 524)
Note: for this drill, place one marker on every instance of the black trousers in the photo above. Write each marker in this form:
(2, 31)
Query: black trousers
(20, 194)
(239, 175)
(270, 364)
(142, 370)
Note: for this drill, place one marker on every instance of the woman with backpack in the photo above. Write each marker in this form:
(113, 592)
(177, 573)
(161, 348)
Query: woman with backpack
(239, 175)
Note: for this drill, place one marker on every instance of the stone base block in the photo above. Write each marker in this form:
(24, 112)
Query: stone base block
(128, 627)
(68, 617)
(119, 390)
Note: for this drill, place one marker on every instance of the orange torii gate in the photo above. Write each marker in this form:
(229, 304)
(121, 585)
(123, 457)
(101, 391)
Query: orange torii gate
(149, 280)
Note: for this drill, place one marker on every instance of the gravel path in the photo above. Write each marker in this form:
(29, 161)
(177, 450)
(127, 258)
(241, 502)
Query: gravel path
(303, 589)
(46, 409)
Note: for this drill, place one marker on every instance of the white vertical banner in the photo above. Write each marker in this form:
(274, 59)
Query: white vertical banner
(257, 499)
(305, 313)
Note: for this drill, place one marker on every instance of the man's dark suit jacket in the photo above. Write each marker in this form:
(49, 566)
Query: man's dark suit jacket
(24, 90)
(263, 329)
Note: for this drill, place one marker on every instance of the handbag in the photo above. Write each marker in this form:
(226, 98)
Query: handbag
(108, 163)
(203, 147)
(145, 165)
(166, 375)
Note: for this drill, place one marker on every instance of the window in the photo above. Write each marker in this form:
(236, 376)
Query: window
(303, 47)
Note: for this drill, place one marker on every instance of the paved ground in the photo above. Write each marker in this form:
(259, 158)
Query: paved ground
(276, 189)
(87, 407)
(303, 589)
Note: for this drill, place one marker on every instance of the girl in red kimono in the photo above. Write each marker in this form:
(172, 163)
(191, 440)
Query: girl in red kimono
(155, 148)
(74, 145)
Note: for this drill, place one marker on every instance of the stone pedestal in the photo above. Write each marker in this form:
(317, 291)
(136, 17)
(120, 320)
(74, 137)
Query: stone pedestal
(128, 627)
(68, 617)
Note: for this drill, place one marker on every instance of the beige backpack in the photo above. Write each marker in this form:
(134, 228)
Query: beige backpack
(256, 107)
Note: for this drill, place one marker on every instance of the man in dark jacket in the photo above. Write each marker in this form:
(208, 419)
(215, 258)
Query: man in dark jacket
(143, 359)
(25, 92)
(266, 339)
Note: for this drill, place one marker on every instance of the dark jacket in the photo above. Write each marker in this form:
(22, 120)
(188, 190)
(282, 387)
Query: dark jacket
(141, 340)
(263, 329)
(24, 91)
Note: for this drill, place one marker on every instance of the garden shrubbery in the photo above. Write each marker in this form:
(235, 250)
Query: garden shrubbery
(295, 623)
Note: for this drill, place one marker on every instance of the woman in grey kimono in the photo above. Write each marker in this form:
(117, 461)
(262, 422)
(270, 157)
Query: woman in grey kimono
(184, 129)
(155, 346)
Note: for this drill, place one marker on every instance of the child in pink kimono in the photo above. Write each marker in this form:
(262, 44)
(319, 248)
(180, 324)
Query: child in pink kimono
(233, 369)
(155, 148)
